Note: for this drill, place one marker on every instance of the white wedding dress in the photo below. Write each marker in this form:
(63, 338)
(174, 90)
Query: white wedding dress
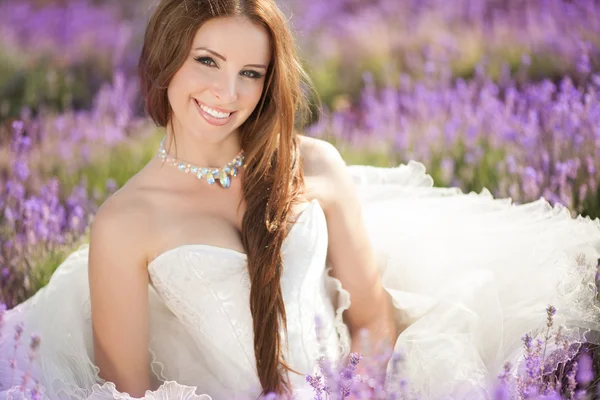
(469, 274)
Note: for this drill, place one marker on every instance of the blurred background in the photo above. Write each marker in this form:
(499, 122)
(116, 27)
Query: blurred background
(501, 94)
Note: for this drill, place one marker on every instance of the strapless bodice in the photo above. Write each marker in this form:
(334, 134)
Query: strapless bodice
(207, 288)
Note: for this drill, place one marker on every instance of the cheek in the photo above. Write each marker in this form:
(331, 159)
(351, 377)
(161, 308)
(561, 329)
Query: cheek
(251, 93)
(172, 96)
(176, 99)
(188, 80)
(176, 89)
(198, 80)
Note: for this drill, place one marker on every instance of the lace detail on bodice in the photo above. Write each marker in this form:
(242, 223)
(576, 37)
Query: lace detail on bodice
(207, 288)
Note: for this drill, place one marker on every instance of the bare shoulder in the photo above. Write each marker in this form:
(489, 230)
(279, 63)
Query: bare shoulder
(122, 226)
(320, 157)
(325, 171)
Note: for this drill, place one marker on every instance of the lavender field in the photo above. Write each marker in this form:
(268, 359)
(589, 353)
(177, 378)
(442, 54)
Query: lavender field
(496, 94)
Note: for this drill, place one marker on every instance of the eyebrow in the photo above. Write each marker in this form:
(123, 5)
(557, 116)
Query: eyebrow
(224, 59)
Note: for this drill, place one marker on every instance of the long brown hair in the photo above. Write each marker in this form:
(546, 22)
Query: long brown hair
(273, 179)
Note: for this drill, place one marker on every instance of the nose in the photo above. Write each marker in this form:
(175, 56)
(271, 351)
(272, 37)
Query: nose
(225, 89)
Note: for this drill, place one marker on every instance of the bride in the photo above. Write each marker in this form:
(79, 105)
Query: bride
(205, 274)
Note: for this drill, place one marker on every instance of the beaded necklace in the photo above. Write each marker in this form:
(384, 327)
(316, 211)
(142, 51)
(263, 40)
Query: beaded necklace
(211, 175)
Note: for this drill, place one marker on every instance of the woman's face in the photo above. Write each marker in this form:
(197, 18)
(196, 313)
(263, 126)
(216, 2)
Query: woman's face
(220, 83)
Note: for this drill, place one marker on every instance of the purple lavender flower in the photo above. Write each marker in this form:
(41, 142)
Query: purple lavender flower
(585, 372)
(572, 382)
(77, 29)
(315, 381)
(111, 186)
(526, 141)
(33, 222)
(550, 312)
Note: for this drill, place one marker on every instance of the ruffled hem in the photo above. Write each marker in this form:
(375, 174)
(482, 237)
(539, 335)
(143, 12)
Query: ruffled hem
(169, 390)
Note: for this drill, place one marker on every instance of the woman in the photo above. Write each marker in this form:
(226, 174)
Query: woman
(206, 272)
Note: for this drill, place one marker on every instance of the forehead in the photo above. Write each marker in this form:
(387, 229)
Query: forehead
(236, 38)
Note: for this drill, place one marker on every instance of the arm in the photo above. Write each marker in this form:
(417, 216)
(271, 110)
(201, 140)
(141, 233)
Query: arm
(118, 282)
(350, 252)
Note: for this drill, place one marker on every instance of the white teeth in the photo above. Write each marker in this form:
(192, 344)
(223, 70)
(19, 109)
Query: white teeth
(214, 113)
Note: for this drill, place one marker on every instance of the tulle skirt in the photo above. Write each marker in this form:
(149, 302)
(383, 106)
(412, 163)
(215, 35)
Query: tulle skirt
(469, 276)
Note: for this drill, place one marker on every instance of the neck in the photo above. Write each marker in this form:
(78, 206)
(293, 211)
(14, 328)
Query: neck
(201, 153)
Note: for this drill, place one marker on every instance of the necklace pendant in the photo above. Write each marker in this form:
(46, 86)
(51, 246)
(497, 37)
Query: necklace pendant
(210, 177)
(224, 179)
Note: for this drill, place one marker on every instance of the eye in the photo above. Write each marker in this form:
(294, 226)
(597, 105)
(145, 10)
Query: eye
(252, 74)
(206, 61)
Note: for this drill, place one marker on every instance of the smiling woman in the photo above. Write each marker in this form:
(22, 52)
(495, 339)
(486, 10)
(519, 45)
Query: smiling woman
(227, 93)
(220, 83)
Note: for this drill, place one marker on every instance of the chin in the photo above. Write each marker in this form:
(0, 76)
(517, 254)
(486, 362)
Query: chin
(211, 134)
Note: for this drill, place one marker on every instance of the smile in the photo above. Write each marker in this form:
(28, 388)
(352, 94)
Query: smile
(212, 116)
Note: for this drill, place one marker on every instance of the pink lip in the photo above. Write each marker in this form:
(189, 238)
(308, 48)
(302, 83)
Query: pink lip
(214, 108)
(210, 119)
